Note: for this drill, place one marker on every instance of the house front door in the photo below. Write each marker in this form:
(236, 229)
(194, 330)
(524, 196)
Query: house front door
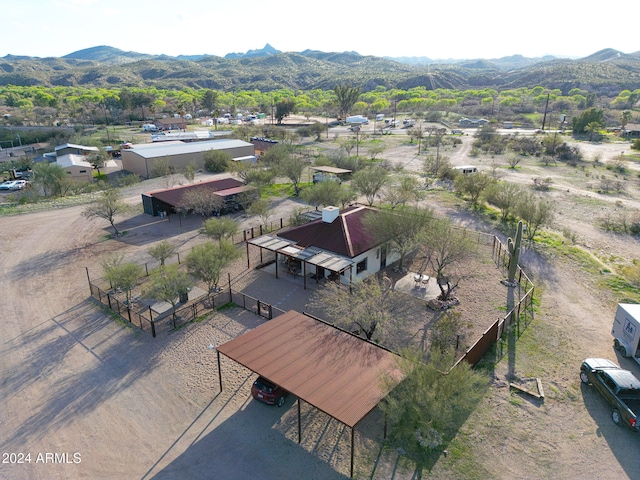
(383, 257)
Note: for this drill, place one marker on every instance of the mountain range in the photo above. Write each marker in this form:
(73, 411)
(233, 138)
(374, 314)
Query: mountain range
(605, 72)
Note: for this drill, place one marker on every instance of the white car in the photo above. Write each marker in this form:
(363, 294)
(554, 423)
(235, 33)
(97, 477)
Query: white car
(13, 185)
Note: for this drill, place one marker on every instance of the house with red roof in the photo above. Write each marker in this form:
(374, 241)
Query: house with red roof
(336, 245)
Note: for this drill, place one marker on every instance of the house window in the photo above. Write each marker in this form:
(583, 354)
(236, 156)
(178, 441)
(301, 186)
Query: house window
(361, 266)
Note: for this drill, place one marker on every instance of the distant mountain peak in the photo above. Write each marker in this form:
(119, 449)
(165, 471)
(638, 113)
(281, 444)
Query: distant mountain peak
(267, 51)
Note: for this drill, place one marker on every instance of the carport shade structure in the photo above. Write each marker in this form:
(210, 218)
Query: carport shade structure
(337, 372)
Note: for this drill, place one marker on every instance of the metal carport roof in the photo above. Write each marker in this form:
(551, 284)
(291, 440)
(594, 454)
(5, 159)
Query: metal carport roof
(331, 369)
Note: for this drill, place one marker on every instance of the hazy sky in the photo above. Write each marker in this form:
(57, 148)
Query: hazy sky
(434, 29)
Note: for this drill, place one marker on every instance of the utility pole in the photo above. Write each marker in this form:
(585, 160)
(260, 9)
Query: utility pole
(544, 119)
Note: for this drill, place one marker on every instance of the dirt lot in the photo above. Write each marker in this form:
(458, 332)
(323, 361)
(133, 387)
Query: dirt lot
(73, 380)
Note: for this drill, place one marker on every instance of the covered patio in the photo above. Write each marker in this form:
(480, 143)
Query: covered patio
(296, 260)
(333, 370)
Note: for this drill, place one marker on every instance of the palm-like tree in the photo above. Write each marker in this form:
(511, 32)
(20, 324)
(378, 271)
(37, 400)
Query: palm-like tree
(591, 128)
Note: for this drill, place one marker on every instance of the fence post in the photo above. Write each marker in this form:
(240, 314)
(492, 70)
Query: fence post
(178, 258)
(129, 313)
(280, 222)
(258, 306)
(146, 268)
(89, 280)
(261, 229)
(109, 301)
(270, 311)
(153, 329)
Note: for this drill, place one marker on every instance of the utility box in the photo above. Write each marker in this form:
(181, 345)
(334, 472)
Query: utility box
(626, 330)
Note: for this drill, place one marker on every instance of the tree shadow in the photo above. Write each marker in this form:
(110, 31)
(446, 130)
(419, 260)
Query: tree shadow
(118, 362)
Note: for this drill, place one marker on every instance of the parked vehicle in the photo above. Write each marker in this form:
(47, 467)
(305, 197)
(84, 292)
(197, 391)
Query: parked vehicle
(324, 176)
(268, 392)
(619, 387)
(149, 127)
(358, 119)
(13, 185)
(626, 330)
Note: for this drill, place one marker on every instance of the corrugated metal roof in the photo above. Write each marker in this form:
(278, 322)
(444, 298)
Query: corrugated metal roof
(335, 170)
(174, 196)
(345, 236)
(164, 149)
(328, 368)
(270, 243)
(73, 160)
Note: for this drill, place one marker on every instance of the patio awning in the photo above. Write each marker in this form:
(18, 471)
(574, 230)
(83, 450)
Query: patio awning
(329, 261)
(270, 242)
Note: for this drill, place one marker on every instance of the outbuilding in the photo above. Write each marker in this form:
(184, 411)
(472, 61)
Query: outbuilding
(335, 371)
(164, 202)
(142, 158)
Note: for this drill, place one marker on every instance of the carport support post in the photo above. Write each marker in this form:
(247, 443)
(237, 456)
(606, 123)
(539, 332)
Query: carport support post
(219, 372)
(353, 431)
(248, 264)
(304, 274)
(299, 424)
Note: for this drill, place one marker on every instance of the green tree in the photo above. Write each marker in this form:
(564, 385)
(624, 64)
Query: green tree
(625, 117)
(217, 161)
(580, 122)
(369, 181)
(426, 410)
(161, 251)
(169, 284)
(284, 108)
(220, 228)
(473, 185)
(505, 196)
(592, 127)
(98, 159)
(292, 168)
(121, 275)
(260, 208)
(210, 100)
(50, 177)
(108, 205)
(206, 262)
(323, 193)
(400, 228)
(346, 96)
(190, 172)
(407, 189)
(535, 212)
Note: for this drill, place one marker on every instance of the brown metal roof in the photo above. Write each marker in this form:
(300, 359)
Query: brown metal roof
(173, 196)
(334, 371)
(345, 236)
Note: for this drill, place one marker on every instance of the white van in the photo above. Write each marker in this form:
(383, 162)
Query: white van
(626, 330)
(149, 127)
(466, 169)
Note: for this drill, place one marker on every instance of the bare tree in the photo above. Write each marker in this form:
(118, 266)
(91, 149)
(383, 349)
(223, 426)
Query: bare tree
(199, 201)
(445, 248)
(108, 205)
(372, 306)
